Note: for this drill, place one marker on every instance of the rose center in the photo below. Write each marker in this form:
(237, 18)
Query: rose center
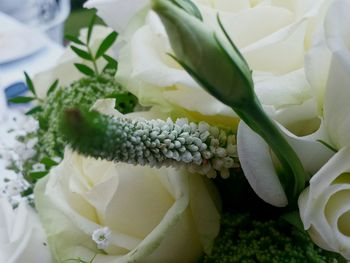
(343, 224)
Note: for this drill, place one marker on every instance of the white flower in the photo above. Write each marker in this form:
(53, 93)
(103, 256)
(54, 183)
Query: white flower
(101, 237)
(151, 215)
(259, 165)
(38, 167)
(324, 206)
(22, 239)
(273, 37)
(126, 10)
(330, 61)
(15, 187)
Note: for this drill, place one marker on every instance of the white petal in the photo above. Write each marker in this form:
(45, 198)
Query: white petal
(256, 162)
(282, 90)
(337, 106)
(324, 204)
(117, 13)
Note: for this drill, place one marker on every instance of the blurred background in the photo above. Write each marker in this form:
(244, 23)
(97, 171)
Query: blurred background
(54, 17)
(32, 39)
(78, 18)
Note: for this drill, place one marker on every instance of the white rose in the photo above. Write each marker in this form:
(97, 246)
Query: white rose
(142, 214)
(324, 206)
(64, 70)
(328, 67)
(273, 37)
(22, 239)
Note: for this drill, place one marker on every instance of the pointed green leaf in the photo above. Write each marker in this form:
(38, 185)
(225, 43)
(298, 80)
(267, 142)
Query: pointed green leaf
(106, 44)
(111, 65)
(293, 218)
(38, 175)
(48, 162)
(82, 53)
(21, 99)
(34, 110)
(29, 83)
(189, 7)
(90, 28)
(85, 69)
(74, 39)
(230, 40)
(27, 192)
(328, 146)
(52, 87)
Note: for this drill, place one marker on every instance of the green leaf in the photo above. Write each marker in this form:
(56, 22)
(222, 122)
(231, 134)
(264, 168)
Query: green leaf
(74, 39)
(52, 87)
(29, 83)
(34, 110)
(38, 175)
(85, 69)
(20, 99)
(230, 40)
(90, 28)
(294, 219)
(27, 192)
(82, 53)
(112, 63)
(328, 146)
(48, 162)
(189, 7)
(106, 44)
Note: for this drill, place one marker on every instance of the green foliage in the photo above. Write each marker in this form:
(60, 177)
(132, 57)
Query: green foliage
(82, 93)
(84, 51)
(246, 240)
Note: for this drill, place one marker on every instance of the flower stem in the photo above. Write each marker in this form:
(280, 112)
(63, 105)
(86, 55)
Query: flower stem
(294, 177)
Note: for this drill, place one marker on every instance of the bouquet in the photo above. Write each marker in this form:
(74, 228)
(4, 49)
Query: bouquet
(203, 131)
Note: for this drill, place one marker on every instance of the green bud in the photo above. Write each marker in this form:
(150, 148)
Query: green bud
(214, 62)
(218, 66)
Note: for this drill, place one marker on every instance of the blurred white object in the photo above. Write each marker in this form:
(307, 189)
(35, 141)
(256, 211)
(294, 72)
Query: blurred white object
(2, 106)
(46, 15)
(18, 41)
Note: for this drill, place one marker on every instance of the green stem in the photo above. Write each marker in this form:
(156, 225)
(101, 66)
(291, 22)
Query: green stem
(294, 176)
(93, 60)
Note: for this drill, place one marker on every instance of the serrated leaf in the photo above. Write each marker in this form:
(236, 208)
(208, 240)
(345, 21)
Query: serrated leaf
(29, 83)
(48, 162)
(34, 110)
(106, 44)
(52, 87)
(82, 53)
(85, 69)
(74, 39)
(19, 100)
(90, 28)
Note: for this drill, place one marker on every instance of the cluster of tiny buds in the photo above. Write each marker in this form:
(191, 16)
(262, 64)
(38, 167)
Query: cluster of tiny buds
(202, 148)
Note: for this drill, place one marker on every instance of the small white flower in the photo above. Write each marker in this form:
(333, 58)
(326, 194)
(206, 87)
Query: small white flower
(57, 159)
(101, 237)
(38, 167)
(30, 125)
(15, 187)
